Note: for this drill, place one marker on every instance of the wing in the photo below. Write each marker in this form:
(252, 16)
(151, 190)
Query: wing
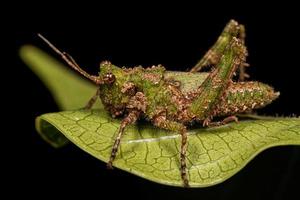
(188, 81)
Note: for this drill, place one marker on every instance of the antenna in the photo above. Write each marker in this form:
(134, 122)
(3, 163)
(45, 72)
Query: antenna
(71, 62)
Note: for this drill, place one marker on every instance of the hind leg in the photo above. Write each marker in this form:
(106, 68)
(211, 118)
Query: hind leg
(212, 90)
(213, 55)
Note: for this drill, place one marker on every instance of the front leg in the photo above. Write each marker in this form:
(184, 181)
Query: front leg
(137, 105)
(162, 122)
(129, 119)
(92, 100)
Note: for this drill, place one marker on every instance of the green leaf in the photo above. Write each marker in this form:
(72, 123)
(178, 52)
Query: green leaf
(69, 90)
(214, 154)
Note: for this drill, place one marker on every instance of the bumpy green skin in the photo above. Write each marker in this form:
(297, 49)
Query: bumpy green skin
(166, 92)
(244, 97)
(149, 81)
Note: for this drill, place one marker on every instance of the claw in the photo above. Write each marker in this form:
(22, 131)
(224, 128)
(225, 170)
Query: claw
(186, 183)
(109, 165)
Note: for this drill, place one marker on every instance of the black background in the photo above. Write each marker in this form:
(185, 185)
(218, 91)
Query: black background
(175, 37)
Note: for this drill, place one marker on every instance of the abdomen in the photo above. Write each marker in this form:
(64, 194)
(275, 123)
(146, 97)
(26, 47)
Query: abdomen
(244, 97)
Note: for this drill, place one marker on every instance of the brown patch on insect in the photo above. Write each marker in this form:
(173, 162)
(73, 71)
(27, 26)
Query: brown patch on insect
(128, 88)
(159, 110)
(192, 95)
(153, 74)
(116, 110)
(155, 67)
(177, 97)
(153, 77)
(127, 69)
(181, 102)
(243, 97)
(138, 102)
(130, 70)
(160, 120)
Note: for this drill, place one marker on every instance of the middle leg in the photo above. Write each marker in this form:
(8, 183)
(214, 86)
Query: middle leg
(209, 123)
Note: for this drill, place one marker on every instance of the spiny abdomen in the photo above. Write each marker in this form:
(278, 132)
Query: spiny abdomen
(245, 96)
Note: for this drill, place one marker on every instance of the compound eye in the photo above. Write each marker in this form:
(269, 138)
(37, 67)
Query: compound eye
(109, 78)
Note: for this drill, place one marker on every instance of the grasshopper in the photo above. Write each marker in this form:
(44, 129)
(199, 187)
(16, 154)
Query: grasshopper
(173, 100)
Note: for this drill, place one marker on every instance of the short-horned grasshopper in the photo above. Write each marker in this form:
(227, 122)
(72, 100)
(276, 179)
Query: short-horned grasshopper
(172, 100)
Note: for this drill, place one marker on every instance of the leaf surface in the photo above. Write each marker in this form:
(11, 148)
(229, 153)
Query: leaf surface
(213, 155)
